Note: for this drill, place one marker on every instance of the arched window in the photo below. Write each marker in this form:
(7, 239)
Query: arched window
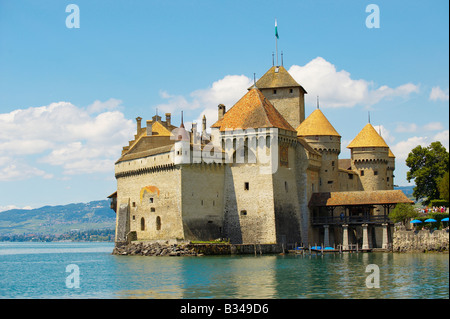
(158, 223)
(142, 223)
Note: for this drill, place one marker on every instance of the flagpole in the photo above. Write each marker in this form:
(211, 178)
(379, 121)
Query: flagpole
(276, 39)
(276, 48)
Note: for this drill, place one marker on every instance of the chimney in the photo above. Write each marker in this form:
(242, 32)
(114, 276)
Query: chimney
(138, 122)
(149, 128)
(221, 108)
(204, 124)
(168, 116)
(194, 133)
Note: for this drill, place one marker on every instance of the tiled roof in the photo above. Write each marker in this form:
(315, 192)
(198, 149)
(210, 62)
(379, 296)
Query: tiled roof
(316, 124)
(253, 110)
(390, 153)
(159, 129)
(368, 137)
(276, 77)
(358, 198)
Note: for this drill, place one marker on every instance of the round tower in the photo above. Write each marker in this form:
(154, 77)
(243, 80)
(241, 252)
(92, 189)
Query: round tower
(370, 159)
(318, 132)
(390, 170)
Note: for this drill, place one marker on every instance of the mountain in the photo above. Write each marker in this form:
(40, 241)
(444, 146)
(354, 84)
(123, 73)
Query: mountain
(58, 219)
(408, 190)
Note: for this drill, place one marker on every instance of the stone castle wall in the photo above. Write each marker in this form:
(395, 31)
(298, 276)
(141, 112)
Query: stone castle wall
(289, 102)
(421, 241)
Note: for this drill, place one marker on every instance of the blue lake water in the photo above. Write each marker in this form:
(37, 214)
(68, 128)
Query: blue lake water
(38, 270)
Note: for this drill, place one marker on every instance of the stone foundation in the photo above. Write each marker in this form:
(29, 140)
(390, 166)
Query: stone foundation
(421, 241)
(167, 248)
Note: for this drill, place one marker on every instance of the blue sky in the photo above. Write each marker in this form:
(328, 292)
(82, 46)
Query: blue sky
(69, 96)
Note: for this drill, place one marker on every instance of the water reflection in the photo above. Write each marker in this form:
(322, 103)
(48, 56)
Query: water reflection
(316, 276)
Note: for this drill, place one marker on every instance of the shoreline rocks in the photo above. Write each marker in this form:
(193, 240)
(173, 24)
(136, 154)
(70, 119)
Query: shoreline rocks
(421, 241)
(155, 249)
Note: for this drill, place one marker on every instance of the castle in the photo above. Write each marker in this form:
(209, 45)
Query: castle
(264, 175)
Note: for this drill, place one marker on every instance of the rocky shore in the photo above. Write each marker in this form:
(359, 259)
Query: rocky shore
(155, 249)
(421, 241)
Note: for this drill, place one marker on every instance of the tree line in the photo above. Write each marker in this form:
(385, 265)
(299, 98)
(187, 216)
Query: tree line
(104, 235)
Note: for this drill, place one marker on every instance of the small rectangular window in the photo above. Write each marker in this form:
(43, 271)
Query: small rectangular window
(151, 199)
(274, 91)
(243, 212)
(134, 204)
(350, 176)
(330, 182)
(152, 209)
(291, 91)
(375, 172)
(362, 173)
(246, 186)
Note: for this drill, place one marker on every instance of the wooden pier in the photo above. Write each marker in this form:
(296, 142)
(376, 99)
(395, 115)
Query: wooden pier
(353, 248)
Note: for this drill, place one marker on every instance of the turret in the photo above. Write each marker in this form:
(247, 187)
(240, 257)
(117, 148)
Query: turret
(318, 132)
(284, 93)
(370, 158)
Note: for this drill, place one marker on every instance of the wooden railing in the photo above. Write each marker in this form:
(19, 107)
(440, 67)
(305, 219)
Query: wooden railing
(333, 220)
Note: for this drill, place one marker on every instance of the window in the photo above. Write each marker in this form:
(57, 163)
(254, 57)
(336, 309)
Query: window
(332, 163)
(375, 172)
(202, 202)
(134, 217)
(246, 186)
(152, 209)
(291, 91)
(286, 186)
(142, 223)
(133, 204)
(330, 182)
(151, 199)
(350, 176)
(158, 223)
(243, 213)
(274, 91)
(387, 179)
(362, 173)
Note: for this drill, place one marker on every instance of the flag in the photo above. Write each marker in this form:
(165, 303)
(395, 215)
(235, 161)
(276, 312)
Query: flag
(276, 29)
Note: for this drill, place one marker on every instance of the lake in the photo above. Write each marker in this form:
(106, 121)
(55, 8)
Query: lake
(88, 270)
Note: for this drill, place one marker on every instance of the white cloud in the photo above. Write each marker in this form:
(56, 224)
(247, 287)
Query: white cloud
(61, 134)
(338, 89)
(403, 148)
(227, 91)
(99, 106)
(438, 94)
(8, 207)
(433, 126)
(385, 134)
(16, 169)
(406, 127)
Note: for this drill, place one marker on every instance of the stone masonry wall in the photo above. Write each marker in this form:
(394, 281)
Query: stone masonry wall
(420, 241)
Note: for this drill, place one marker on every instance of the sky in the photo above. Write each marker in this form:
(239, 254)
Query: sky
(72, 82)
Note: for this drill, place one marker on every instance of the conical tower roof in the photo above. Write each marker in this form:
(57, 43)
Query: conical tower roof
(253, 110)
(368, 137)
(276, 77)
(316, 124)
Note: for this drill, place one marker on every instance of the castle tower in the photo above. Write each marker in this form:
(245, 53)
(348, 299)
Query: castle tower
(370, 158)
(321, 135)
(284, 93)
(390, 170)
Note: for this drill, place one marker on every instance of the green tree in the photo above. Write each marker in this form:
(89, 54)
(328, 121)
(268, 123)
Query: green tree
(402, 213)
(426, 166)
(443, 187)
